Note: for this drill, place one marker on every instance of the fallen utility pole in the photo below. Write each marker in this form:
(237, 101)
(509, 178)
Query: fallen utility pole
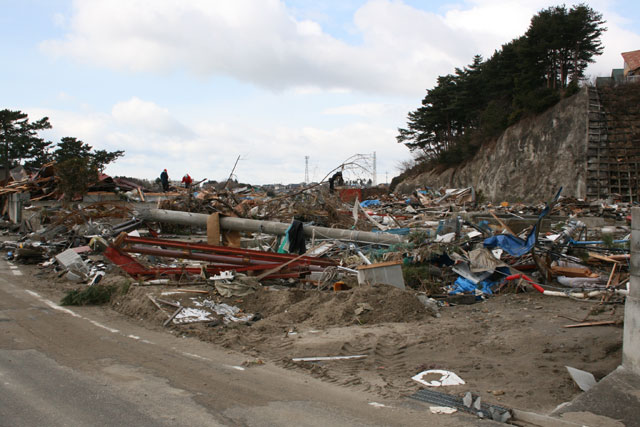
(268, 227)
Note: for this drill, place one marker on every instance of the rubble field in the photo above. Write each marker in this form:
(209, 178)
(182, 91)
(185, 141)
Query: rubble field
(398, 295)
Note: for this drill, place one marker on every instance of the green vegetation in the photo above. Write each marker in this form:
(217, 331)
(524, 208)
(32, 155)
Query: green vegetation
(421, 277)
(76, 176)
(97, 294)
(19, 140)
(91, 295)
(72, 148)
(528, 75)
(77, 164)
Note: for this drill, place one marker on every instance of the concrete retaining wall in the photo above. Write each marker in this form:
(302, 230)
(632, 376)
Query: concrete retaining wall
(531, 160)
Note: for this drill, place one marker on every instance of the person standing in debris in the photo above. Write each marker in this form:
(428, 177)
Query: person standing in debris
(164, 179)
(335, 179)
(186, 180)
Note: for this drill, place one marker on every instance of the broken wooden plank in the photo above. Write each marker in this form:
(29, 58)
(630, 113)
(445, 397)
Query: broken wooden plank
(157, 305)
(193, 291)
(280, 267)
(172, 304)
(173, 316)
(504, 226)
(327, 358)
(613, 271)
(573, 272)
(213, 229)
(597, 257)
(600, 323)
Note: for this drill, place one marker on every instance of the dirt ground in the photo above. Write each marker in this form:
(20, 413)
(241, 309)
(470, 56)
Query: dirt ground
(511, 349)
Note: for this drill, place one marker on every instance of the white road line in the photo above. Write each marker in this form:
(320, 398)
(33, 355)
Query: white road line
(16, 272)
(100, 325)
(13, 267)
(114, 331)
(67, 311)
(52, 304)
(195, 356)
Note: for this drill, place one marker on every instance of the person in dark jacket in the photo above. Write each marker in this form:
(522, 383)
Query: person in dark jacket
(335, 179)
(164, 178)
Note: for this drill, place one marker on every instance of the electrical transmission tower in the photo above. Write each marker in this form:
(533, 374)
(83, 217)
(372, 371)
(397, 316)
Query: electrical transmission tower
(375, 171)
(306, 169)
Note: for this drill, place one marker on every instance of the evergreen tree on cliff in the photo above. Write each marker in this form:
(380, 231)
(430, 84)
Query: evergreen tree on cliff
(527, 76)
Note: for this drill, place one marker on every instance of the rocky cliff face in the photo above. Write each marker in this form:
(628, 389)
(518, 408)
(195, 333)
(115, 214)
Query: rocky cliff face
(530, 161)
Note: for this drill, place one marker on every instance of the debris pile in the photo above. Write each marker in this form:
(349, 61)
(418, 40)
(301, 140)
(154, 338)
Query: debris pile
(442, 244)
(209, 257)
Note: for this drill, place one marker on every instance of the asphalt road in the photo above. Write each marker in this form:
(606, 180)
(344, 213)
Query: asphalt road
(88, 366)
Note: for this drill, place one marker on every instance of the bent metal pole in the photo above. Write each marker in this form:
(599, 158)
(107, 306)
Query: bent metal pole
(267, 227)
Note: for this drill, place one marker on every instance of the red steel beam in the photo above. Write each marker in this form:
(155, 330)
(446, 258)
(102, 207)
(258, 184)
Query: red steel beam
(221, 258)
(224, 250)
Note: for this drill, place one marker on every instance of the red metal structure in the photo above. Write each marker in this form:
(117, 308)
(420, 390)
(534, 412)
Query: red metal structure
(217, 258)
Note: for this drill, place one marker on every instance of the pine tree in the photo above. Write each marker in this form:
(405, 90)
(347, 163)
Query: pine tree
(19, 139)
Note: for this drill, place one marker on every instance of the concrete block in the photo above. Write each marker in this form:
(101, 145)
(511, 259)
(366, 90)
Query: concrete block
(16, 203)
(635, 218)
(635, 256)
(631, 336)
(634, 286)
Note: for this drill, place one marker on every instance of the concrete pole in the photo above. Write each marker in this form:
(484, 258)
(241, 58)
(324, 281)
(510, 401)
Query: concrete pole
(631, 342)
(268, 227)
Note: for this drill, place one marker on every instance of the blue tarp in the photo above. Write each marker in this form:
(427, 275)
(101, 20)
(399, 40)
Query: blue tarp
(367, 203)
(465, 285)
(515, 246)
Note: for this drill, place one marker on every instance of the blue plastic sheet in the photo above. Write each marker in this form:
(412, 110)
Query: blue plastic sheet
(367, 203)
(515, 246)
(465, 285)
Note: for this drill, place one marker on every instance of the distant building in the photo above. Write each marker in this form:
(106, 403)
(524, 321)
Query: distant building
(630, 72)
(631, 63)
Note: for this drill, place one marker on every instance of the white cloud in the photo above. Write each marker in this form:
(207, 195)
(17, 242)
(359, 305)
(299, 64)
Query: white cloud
(259, 41)
(370, 109)
(147, 116)
(400, 50)
(208, 149)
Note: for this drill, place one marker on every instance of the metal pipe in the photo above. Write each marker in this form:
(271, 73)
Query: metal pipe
(268, 227)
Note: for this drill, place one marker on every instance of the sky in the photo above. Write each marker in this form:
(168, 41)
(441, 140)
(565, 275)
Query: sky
(191, 85)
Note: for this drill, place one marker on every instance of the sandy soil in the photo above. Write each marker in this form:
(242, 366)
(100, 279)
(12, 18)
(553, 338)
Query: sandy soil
(511, 349)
